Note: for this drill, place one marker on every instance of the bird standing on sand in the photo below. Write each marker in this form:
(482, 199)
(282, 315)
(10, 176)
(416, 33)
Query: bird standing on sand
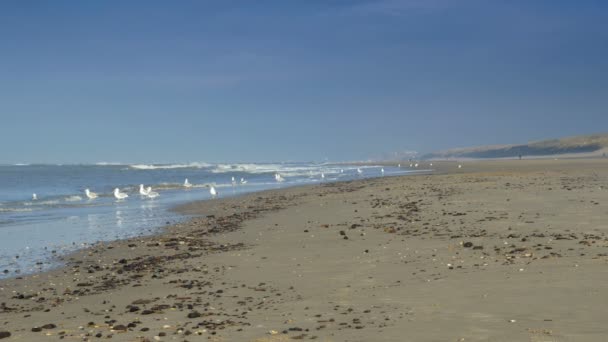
(459, 166)
(233, 181)
(34, 197)
(212, 191)
(89, 194)
(322, 176)
(278, 177)
(144, 192)
(187, 184)
(120, 195)
(359, 171)
(243, 181)
(382, 171)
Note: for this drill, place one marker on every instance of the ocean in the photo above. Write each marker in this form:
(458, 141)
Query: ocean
(33, 232)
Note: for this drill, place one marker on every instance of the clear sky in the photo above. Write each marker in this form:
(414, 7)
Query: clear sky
(178, 81)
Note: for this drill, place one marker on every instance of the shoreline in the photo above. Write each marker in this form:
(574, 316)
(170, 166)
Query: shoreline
(196, 261)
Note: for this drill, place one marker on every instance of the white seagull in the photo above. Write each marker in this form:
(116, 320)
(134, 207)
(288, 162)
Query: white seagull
(120, 195)
(359, 171)
(416, 165)
(89, 194)
(233, 181)
(150, 193)
(187, 184)
(212, 191)
(144, 192)
(243, 181)
(34, 197)
(278, 177)
(399, 166)
(382, 170)
(322, 175)
(459, 166)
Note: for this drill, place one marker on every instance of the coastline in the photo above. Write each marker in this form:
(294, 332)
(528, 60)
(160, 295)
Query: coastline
(373, 254)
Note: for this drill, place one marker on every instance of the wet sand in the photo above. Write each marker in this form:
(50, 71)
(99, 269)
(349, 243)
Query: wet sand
(494, 251)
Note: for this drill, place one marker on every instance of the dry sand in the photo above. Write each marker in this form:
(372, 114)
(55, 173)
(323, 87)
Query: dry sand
(495, 251)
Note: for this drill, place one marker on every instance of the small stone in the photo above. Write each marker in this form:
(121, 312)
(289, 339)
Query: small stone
(36, 329)
(194, 314)
(467, 244)
(4, 334)
(119, 327)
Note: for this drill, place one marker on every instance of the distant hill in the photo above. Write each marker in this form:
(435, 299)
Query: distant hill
(583, 145)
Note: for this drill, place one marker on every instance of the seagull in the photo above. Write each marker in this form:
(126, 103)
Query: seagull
(322, 175)
(431, 164)
(187, 184)
(212, 191)
(34, 197)
(243, 181)
(359, 171)
(233, 181)
(459, 166)
(150, 193)
(399, 166)
(89, 194)
(411, 165)
(120, 195)
(382, 170)
(416, 165)
(341, 170)
(278, 177)
(144, 192)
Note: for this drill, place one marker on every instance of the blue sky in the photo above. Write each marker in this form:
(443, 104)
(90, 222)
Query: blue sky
(161, 81)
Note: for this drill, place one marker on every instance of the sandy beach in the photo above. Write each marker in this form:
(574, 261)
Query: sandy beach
(493, 251)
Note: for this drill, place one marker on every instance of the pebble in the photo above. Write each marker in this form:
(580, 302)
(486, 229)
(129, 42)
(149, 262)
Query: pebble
(4, 334)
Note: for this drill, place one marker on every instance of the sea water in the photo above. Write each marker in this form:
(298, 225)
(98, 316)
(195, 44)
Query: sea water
(62, 219)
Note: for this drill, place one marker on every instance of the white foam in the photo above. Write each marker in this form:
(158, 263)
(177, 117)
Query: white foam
(8, 210)
(73, 198)
(168, 166)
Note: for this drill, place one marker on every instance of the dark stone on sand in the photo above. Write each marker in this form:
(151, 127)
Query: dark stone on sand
(119, 327)
(467, 244)
(133, 308)
(4, 334)
(345, 237)
(478, 247)
(342, 232)
(144, 329)
(194, 314)
(49, 326)
(36, 329)
(98, 335)
(147, 312)
(162, 334)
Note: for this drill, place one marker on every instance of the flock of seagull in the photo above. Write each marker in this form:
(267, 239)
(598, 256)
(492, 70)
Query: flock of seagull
(147, 192)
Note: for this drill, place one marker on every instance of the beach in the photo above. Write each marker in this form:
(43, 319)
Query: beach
(513, 250)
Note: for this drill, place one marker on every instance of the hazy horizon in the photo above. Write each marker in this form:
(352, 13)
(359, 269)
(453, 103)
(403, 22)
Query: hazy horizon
(159, 82)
